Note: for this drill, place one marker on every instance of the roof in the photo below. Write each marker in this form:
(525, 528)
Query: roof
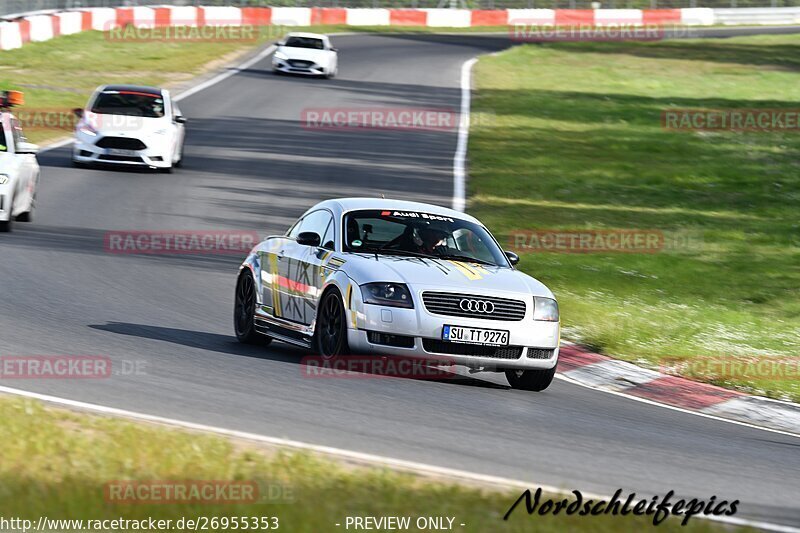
(349, 204)
(306, 34)
(135, 88)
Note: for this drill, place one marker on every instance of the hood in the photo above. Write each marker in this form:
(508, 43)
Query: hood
(321, 57)
(431, 274)
(126, 126)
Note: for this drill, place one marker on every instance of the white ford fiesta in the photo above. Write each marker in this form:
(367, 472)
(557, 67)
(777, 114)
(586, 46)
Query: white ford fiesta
(306, 53)
(130, 125)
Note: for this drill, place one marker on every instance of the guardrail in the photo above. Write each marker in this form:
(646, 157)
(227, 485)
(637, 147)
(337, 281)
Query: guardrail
(9, 7)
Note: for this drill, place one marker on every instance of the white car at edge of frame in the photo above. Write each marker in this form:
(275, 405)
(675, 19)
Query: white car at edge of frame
(19, 169)
(399, 278)
(310, 54)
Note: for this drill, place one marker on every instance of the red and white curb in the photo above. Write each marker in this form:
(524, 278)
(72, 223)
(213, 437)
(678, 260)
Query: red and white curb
(604, 373)
(15, 31)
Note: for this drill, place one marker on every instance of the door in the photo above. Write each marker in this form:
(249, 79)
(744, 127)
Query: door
(292, 281)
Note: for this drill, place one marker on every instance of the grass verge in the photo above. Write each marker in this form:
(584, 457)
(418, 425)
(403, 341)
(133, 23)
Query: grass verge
(61, 464)
(568, 136)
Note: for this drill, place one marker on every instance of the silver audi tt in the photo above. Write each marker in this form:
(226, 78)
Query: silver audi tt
(399, 278)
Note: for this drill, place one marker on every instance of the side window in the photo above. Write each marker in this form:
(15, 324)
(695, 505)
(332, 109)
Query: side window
(328, 240)
(16, 132)
(318, 222)
(3, 132)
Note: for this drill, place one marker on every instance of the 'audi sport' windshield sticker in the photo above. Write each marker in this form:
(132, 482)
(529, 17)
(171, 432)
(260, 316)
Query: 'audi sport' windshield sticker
(412, 214)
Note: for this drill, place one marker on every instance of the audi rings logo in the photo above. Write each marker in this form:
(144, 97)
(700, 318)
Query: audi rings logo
(477, 306)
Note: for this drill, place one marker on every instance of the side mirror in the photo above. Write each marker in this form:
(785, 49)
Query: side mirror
(512, 258)
(334, 49)
(309, 238)
(78, 112)
(180, 119)
(280, 43)
(27, 148)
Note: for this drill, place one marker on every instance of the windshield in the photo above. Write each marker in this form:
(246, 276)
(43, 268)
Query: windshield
(305, 42)
(420, 234)
(129, 103)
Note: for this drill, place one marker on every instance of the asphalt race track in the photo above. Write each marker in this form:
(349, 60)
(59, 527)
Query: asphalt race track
(251, 166)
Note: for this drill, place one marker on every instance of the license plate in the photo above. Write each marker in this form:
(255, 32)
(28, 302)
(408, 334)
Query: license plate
(491, 337)
(119, 151)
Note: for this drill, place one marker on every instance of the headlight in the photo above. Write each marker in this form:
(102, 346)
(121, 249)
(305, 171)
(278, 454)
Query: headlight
(545, 309)
(3, 179)
(391, 294)
(86, 128)
(280, 55)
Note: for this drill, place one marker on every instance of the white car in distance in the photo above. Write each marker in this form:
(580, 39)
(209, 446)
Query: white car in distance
(310, 54)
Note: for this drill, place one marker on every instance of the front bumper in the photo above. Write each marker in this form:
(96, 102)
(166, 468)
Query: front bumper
(282, 65)
(85, 151)
(532, 344)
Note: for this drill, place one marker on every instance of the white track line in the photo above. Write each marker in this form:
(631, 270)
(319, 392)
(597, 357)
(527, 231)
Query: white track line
(388, 462)
(460, 159)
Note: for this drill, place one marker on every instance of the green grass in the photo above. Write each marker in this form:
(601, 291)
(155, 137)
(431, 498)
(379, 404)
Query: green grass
(56, 463)
(569, 136)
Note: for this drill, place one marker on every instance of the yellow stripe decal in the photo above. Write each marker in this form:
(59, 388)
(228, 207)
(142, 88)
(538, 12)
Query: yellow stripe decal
(468, 272)
(276, 295)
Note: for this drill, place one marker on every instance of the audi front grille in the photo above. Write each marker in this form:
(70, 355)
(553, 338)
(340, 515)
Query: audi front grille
(473, 306)
(122, 143)
(437, 346)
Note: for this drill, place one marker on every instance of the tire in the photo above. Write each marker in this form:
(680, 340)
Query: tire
(330, 333)
(532, 380)
(27, 216)
(244, 309)
(179, 162)
(165, 170)
(79, 164)
(6, 225)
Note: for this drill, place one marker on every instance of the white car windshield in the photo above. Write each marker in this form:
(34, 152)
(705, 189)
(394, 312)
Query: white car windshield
(305, 42)
(129, 103)
(419, 234)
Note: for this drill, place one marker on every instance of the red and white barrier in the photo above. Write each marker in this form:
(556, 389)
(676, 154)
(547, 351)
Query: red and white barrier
(368, 17)
(41, 27)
